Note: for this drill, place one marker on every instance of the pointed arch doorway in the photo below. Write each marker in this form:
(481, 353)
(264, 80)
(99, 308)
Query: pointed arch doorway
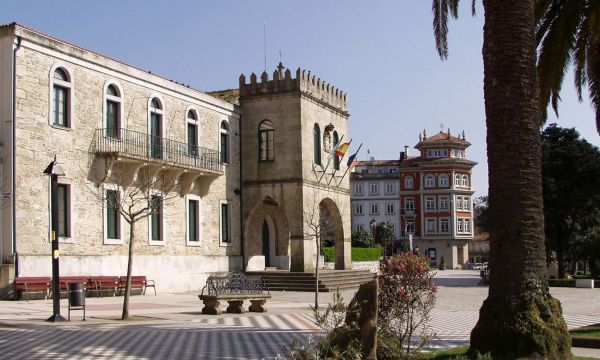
(269, 241)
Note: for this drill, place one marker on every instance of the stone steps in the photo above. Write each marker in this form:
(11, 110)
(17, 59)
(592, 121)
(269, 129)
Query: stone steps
(329, 280)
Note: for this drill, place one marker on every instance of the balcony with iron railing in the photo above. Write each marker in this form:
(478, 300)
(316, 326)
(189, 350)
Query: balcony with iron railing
(137, 146)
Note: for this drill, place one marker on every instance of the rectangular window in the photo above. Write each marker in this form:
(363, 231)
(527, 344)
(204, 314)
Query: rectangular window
(430, 203)
(390, 189)
(459, 225)
(112, 119)
(64, 213)
(444, 225)
(358, 189)
(410, 227)
(192, 139)
(467, 227)
(389, 209)
(466, 203)
(374, 209)
(358, 209)
(432, 253)
(444, 203)
(193, 220)
(266, 145)
(430, 226)
(225, 236)
(224, 148)
(61, 106)
(409, 205)
(113, 218)
(359, 227)
(156, 218)
(374, 189)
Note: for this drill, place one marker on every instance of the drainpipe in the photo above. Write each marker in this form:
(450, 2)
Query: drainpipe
(241, 195)
(14, 158)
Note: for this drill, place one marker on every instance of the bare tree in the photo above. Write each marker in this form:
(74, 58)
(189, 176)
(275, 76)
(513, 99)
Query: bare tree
(136, 195)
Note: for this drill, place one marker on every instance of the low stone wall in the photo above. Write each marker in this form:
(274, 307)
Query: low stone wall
(372, 266)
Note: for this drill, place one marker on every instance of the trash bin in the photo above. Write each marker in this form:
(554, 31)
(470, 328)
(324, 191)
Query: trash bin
(76, 294)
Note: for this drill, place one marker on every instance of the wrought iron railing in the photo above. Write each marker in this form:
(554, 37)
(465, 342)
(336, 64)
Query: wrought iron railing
(150, 147)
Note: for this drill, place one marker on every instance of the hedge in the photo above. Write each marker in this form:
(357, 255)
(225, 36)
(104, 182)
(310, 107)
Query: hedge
(358, 254)
(561, 282)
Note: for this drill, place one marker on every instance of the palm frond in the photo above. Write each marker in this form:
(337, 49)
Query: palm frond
(440, 27)
(579, 58)
(593, 76)
(555, 50)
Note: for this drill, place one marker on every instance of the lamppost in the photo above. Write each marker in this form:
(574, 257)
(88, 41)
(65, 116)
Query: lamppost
(373, 223)
(54, 171)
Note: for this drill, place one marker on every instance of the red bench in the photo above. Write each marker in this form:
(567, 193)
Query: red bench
(31, 284)
(65, 280)
(137, 282)
(100, 283)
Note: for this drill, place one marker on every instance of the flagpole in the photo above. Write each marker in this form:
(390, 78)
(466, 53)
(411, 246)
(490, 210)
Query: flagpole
(348, 167)
(335, 146)
(341, 157)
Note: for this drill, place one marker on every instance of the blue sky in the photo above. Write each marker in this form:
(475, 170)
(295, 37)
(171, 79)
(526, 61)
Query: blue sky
(380, 52)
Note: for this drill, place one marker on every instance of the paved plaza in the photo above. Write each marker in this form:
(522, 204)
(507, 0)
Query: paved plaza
(172, 326)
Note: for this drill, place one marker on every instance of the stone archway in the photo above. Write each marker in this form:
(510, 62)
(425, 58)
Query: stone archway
(333, 221)
(268, 216)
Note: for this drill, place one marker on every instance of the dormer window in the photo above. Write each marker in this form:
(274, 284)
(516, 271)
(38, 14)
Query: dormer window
(437, 153)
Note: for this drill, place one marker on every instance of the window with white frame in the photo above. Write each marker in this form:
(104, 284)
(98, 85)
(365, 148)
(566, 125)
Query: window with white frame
(457, 180)
(156, 219)
(443, 180)
(113, 112)
(156, 128)
(358, 209)
(464, 181)
(61, 106)
(409, 205)
(192, 133)
(429, 181)
(390, 209)
(466, 203)
(459, 203)
(408, 182)
(459, 225)
(374, 209)
(430, 203)
(360, 227)
(430, 226)
(225, 219)
(444, 203)
(390, 188)
(444, 225)
(410, 226)
(266, 142)
(112, 216)
(358, 189)
(64, 211)
(193, 220)
(224, 142)
(467, 226)
(373, 189)
(459, 153)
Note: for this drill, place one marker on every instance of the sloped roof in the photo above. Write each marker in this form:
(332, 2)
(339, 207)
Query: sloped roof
(442, 138)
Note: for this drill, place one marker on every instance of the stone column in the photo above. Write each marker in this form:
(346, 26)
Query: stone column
(301, 253)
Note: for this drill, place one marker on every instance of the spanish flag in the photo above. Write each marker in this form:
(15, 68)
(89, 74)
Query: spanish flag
(341, 150)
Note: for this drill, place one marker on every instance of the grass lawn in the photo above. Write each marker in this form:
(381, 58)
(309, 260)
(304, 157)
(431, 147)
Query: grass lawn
(587, 331)
(459, 353)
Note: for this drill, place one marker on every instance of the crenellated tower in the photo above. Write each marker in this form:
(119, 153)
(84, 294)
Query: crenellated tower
(289, 127)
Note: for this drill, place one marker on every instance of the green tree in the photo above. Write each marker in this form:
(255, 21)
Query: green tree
(519, 318)
(385, 233)
(567, 35)
(571, 179)
(362, 239)
(586, 246)
(480, 209)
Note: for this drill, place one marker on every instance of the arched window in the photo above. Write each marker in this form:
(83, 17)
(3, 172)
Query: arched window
(465, 181)
(156, 128)
(266, 133)
(192, 133)
(113, 111)
(408, 182)
(224, 142)
(457, 180)
(317, 145)
(443, 180)
(336, 159)
(61, 98)
(429, 181)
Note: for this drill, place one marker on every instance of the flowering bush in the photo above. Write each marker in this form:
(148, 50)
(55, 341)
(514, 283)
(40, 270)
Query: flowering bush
(406, 297)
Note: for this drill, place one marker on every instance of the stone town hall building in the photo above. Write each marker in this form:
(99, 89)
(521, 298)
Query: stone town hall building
(242, 171)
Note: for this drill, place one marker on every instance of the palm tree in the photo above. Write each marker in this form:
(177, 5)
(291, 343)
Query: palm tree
(567, 35)
(519, 318)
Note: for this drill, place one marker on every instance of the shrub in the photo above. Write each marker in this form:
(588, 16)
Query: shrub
(406, 297)
(358, 254)
(362, 239)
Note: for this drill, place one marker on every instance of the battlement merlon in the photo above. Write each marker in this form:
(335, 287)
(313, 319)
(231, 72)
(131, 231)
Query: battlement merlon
(304, 82)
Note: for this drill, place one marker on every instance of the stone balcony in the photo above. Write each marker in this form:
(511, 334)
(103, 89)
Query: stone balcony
(129, 152)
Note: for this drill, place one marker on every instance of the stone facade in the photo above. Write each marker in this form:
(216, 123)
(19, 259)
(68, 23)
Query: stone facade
(260, 197)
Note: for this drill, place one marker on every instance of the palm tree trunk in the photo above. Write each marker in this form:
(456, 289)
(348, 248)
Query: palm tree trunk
(125, 314)
(519, 318)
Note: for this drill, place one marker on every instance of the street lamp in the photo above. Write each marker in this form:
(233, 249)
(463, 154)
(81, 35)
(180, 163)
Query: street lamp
(54, 171)
(373, 223)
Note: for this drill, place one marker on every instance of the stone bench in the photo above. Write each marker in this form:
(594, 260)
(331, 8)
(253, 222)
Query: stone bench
(233, 288)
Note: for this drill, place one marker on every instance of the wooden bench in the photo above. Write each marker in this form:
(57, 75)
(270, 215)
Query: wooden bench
(101, 283)
(233, 288)
(137, 282)
(65, 280)
(32, 284)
